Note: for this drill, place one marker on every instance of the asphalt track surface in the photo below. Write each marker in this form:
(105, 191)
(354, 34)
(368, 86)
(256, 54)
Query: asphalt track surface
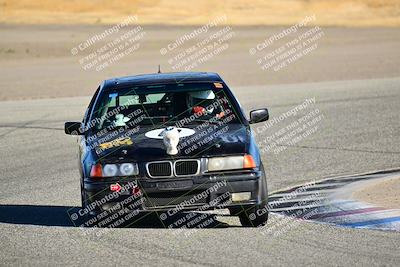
(359, 132)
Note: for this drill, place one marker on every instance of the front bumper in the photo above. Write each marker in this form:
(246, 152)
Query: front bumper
(197, 193)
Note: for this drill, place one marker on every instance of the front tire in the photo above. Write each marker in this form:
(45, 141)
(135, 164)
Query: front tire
(254, 217)
(86, 217)
(257, 215)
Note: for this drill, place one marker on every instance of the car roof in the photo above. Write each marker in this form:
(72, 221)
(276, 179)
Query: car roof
(162, 78)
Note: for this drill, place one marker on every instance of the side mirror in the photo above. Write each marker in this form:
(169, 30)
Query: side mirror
(73, 128)
(258, 115)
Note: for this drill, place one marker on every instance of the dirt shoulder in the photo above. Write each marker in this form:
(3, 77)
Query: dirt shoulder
(384, 193)
(193, 12)
(36, 60)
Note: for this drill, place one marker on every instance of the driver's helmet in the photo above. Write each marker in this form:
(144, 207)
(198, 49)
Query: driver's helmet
(201, 101)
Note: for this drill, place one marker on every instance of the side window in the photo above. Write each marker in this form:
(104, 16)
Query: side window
(128, 100)
(90, 107)
(154, 98)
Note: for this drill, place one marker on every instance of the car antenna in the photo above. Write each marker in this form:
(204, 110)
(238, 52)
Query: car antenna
(159, 68)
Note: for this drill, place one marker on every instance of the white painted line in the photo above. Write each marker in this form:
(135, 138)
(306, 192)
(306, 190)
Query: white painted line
(338, 184)
(324, 191)
(281, 201)
(307, 207)
(361, 177)
(304, 207)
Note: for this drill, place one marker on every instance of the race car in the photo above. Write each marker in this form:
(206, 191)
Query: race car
(169, 143)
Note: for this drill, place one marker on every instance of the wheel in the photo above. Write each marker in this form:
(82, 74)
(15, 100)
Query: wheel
(258, 214)
(235, 211)
(254, 217)
(83, 198)
(87, 216)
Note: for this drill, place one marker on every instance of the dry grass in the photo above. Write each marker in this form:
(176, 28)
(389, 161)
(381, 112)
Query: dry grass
(195, 12)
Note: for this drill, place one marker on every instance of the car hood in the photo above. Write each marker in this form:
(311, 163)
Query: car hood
(138, 146)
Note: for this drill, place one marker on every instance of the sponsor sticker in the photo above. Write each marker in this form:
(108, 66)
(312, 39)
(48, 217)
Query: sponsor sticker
(218, 85)
(116, 143)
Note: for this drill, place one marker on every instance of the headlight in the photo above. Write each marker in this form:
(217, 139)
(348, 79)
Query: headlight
(231, 163)
(225, 163)
(113, 170)
(110, 170)
(129, 169)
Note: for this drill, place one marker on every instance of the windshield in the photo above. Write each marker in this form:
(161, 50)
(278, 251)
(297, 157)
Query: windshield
(169, 104)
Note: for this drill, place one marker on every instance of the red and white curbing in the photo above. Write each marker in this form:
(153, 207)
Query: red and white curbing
(330, 201)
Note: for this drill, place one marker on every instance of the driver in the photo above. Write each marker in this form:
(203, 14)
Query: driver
(201, 103)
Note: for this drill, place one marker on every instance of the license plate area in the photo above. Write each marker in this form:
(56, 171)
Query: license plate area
(185, 184)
